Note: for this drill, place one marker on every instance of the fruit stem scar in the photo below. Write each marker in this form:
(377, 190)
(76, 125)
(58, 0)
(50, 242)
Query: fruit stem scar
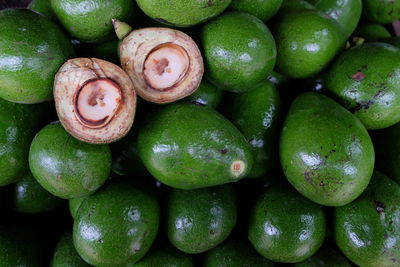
(238, 167)
(165, 66)
(97, 101)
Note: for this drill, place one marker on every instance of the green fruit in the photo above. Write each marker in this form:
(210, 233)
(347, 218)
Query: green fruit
(234, 253)
(198, 220)
(262, 9)
(165, 255)
(365, 79)
(293, 5)
(74, 204)
(65, 166)
(255, 114)
(286, 227)
(346, 13)
(189, 146)
(65, 254)
(381, 11)
(206, 94)
(371, 31)
(325, 151)
(387, 145)
(239, 51)
(32, 48)
(28, 196)
(43, 7)
(18, 125)
(90, 21)
(183, 13)
(306, 41)
(117, 225)
(325, 257)
(367, 230)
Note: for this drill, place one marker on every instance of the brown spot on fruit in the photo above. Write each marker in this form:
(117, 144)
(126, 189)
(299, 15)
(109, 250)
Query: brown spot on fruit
(379, 206)
(358, 76)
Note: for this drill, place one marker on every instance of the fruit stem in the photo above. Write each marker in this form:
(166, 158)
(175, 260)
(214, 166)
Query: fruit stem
(121, 28)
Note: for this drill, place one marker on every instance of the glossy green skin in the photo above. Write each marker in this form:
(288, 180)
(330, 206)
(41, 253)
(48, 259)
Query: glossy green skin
(367, 230)
(206, 94)
(262, 9)
(234, 253)
(32, 48)
(365, 79)
(255, 114)
(28, 196)
(74, 204)
(198, 220)
(325, 257)
(290, 5)
(371, 31)
(188, 146)
(325, 151)
(18, 125)
(65, 166)
(381, 11)
(286, 227)
(306, 41)
(183, 13)
(346, 13)
(65, 254)
(239, 51)
(165, 255)
(117, 225)
(90, 20)
(43, 7)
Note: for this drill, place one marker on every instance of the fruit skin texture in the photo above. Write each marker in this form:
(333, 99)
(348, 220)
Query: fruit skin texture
(371, 31)
(198, 220)
(255, 114)
(165, 255)
(306, 41)
(346, 13)
(29, 196)
(117, 225)
(365, 79)
(234, 253)
(239, 51)
(66, 167)
(326, 152)
(325, 256)
(286, 227)
(367, 230)
(387, 145)
(74, 204)
(65, 254)
(43, 7)
(18, 125)
(206, 94)
(262, 9)
(188, 146)
(32, 48)
(381, 11)
(90, 20)
(182, 13)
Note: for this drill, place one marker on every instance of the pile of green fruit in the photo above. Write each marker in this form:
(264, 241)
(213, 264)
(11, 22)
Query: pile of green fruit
(200, 133)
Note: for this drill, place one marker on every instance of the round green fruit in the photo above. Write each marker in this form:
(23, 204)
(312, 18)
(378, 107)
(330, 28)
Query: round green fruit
(65, 254)
(262, 9)
(325, 257)
(381, 11)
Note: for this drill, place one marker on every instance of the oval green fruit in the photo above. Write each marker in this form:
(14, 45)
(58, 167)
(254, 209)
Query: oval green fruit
(234, 253)
(32, 48)
(371, 31)
(255, 114)
(117, 225)
(367, 230)
(43, 7)
(206, 94)
(28, 196)
(18, 125)
(306, 40)
(262, 9)
(189, 146)
(65, 166)
(325, 151)
(200, 219)
(381, 11)
(183, 13)
(286, 227)
(90, 21)
(365, 79)
(325, 257)
(239, 51)
(65, 254)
